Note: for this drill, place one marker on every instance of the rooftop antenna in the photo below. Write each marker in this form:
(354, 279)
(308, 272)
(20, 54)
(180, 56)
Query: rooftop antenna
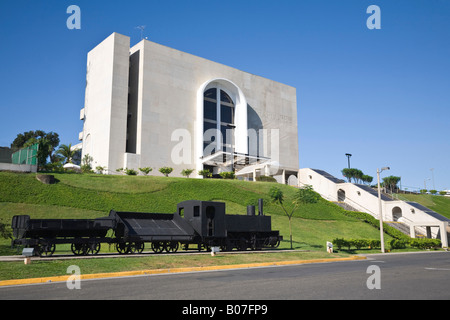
(142, 31)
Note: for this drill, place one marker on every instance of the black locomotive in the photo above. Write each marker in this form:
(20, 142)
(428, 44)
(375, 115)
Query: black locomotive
(202, 224)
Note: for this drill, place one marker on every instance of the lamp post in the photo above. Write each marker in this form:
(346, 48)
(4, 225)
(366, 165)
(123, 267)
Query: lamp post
(379, 207)
(232, 127)
(425, 183)
(348, 159)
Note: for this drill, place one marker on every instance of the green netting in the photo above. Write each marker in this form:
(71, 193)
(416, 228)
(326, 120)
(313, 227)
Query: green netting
(26, 155)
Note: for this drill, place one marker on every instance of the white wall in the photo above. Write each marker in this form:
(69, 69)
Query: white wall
(170, 97)
(18, 167)
(106, 98)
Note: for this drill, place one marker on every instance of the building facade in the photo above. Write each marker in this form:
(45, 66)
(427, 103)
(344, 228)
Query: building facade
(154, 106)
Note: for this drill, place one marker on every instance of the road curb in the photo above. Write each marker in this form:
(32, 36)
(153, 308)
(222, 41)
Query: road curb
(169, 271)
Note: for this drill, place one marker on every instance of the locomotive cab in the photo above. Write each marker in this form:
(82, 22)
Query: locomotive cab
(206, 217)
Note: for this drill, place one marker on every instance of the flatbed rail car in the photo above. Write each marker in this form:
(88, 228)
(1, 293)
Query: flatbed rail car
(84, 235)
(201, 224)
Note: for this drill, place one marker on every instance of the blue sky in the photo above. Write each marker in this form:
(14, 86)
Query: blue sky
(381, 95)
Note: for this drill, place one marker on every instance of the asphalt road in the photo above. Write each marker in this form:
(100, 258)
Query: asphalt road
(391, 276)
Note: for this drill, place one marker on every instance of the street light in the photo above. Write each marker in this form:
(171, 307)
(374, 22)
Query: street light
(425, 183)
(379, 207)
(348, 158)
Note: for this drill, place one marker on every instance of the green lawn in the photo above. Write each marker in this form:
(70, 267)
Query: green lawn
(439, 204)
(91, 196)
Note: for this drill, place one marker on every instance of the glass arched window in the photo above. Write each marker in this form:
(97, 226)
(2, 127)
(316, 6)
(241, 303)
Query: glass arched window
(218, 113)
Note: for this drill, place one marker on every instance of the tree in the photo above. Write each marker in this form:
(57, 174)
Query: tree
(66, 152)
(278, 197)
(357, 175)
(391, 182)
(307, 195)
(367, 179)
(352, 173)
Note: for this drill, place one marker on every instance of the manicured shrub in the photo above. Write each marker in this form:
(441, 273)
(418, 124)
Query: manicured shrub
(227, 175)
(266, 179)
(130, 172)
(425, 243)
(166, 171)
(145, 170)
(205, 173)
(356, 243)
(398, 244)
(187, 172)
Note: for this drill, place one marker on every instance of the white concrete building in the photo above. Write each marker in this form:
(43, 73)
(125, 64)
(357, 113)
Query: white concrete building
(154, 106)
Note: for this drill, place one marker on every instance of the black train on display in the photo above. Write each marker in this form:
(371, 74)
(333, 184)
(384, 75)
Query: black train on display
(201, 224)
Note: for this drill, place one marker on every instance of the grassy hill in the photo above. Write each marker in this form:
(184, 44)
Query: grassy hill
(439, 204)
(91, 195)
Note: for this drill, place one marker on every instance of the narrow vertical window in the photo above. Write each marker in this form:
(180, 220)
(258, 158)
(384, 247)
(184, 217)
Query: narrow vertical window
(218, 120)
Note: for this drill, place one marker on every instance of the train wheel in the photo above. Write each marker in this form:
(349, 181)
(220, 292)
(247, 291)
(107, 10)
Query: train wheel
(79, 249)
(137, 247)
(47, 250)
(242, 245)
(93, 248)
(123, 247)
(158, 246)
(227, 246)
(276, 244)
(172, 246)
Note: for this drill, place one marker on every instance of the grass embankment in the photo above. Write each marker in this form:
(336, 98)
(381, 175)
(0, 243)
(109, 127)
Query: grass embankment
(90, 196)
(439, 204)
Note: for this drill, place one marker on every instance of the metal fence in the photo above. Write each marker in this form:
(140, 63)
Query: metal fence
(26, 156)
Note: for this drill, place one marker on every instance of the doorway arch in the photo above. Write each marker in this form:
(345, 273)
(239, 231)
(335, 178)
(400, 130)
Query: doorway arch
(341, 195)
(396, 213)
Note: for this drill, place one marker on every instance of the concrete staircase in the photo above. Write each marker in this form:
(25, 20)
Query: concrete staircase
(405, 216)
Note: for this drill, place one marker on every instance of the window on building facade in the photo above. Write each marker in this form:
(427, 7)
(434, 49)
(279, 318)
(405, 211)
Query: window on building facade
(217, 114)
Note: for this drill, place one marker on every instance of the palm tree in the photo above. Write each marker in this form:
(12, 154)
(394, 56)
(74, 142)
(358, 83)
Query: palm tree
(66, 152)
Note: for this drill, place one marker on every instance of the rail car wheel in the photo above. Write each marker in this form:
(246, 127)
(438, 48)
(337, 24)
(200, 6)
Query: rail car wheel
(47, 250)
(203, 246)
(123, 247)
(93, 248)
(242, 244)
(79, 249)
(137, 247)
(172, 246)
(227, 246)
(158, 246)
(275, 244)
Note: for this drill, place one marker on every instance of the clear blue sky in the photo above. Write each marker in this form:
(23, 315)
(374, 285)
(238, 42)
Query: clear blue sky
(381, 95)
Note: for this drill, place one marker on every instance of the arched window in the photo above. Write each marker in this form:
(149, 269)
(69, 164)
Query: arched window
(218, 114)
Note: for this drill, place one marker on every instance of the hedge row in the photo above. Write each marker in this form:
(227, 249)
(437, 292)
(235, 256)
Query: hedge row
(356, 243)
(420, 243)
